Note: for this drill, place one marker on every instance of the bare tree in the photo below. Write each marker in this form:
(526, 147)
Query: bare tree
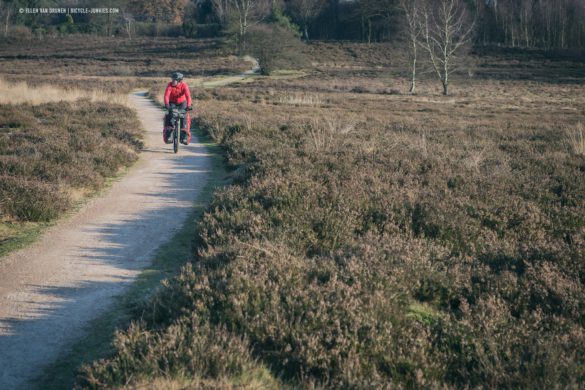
(127, 19)
(445, 31)
(222, 11)
(7, 8)
(248, 13)
(305, 11)
(7, 11)
(375, 12)
(412, 13)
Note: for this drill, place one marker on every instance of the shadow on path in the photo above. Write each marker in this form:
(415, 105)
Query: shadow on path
(95, 255)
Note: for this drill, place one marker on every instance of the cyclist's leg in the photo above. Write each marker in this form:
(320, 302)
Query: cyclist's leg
(167, 123)
(166, 127)
(186, 125)
(183, 106)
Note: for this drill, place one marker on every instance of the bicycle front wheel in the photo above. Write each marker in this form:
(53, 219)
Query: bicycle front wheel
(176, 139)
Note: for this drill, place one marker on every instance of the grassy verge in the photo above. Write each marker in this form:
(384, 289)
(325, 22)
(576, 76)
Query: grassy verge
(17, 235)
(169, 258)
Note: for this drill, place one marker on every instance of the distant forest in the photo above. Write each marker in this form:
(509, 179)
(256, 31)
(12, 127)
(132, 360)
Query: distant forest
(548, 24)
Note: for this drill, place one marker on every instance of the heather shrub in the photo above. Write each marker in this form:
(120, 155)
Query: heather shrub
(364, 268)
(27, 199)
(336, 320)
(48, 150)
(363, 247)
(186, 349)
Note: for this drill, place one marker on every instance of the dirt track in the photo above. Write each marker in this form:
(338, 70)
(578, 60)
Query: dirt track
(50, 290)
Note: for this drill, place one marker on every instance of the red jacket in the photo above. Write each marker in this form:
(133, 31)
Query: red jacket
(177, 94)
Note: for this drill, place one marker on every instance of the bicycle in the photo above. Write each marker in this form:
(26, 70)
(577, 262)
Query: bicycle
(178, 115)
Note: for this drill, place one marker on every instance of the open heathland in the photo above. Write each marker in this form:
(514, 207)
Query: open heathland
(369, 237)
(83, 55)
(65, 125)
(372, 238)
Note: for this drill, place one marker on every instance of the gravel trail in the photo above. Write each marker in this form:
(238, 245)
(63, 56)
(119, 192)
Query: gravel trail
(50, 290)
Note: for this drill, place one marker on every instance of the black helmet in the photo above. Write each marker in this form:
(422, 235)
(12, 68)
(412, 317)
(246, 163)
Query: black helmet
(177, 76)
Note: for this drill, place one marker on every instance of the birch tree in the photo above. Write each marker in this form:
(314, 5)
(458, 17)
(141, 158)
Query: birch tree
(375, 12)
(305, 11)
(412, 13)
(128, 19)
(248, 13)
(222, 11)
(445, 31)
(8, 9)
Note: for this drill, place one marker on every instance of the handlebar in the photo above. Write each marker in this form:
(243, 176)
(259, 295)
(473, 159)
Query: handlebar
(186, 109)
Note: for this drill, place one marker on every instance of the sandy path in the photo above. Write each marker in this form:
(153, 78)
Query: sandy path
(50, 290)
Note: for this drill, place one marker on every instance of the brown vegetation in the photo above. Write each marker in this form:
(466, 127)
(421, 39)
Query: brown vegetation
(52, 153)
(376, 239)
(62, 128)
(24, 92)
(73, 56)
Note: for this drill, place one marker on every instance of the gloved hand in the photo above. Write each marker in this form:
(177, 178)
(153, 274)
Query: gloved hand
(189, 109)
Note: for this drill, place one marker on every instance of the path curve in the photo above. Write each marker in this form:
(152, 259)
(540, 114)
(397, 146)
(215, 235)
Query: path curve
(51, 290)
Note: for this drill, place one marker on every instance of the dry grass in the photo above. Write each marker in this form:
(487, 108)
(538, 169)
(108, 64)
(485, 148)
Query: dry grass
(22, 92)
(200, 384)
(575, 138)
(301, 99)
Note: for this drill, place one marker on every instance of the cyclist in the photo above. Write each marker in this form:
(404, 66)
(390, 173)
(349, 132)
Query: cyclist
(177, 95)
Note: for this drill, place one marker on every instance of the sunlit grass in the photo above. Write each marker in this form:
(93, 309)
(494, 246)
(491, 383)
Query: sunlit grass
(575, 139)
(22, 92)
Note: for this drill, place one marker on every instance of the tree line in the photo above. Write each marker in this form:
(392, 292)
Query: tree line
(436, 31)
(548, 24)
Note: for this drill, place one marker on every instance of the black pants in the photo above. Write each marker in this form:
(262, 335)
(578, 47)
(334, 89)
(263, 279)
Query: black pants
(181, 106)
